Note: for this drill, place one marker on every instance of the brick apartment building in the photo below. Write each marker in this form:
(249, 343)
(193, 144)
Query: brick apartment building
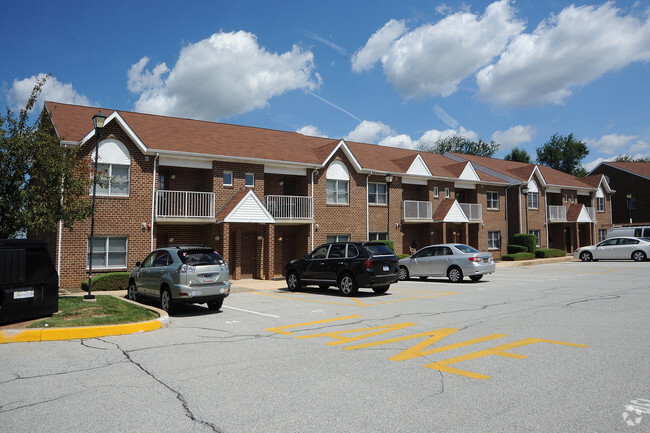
(263, 197)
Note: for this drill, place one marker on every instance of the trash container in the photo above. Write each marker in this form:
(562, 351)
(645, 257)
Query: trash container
(29, 284)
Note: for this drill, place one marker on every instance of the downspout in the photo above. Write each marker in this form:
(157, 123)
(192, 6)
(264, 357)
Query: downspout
(520, 218)
(507, 218)
(153, 199)
(368, 210)
(546, 226)
(313, 217)
(60, 237)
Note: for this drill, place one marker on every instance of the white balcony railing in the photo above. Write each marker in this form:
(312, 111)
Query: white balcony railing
(474, 212)
(184, 204)
(417, 210)
(556, 213)
(289, 207)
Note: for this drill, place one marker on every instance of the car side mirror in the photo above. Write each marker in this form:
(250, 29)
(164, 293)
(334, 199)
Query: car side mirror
(137, 264)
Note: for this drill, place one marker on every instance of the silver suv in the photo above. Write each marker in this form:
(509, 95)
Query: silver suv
(181, 274)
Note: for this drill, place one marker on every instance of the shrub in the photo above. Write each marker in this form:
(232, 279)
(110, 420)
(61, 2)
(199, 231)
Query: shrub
(110, 281)
(390, 244)
(543, 254)
(401, 256)
(517, 257)
(527, 240)
(514, 249)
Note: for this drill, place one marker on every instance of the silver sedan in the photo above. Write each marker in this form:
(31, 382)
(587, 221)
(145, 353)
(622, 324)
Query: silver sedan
(621, 248)
(451, 260)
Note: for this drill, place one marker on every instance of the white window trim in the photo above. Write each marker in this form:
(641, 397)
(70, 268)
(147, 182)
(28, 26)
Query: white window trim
(107, 238)
(246, 180)
(231, 178)
(436, 192)
(338, 184)
(447, 193)
(498, 239)
(532, 194)
(489, 201)
(109, 174)
(377, 194)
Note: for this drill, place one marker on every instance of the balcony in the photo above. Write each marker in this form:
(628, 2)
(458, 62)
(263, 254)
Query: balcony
(474, 212)
(184, 207)
(556, 214)
(288, 208)
(417, 211)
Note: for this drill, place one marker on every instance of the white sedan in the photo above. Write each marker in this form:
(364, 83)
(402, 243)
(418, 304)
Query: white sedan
(621, 248)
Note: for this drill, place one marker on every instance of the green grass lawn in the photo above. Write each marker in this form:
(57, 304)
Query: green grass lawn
(106, 310)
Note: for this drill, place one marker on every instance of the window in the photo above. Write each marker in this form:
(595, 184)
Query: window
(338, 238)
(494, 240)
(337, 251)
(377, 193)
(108, 252)
(602, 235)
(250, 180)
(227, 178)
(377, 236)
(446, 192)
(537, 234)
(533, 200)
(321, 252)
(601, 204)
(436, 193)
(338, 183)
(115, 162)
(353, 251)
(493, 200)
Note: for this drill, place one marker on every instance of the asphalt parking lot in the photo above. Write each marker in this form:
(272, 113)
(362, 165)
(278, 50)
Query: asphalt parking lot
(555, 347)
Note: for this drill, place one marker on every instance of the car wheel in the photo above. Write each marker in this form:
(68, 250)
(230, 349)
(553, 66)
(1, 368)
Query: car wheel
(381, 289)
(166, 300)
(347, 285)
(133, 291)
(475, 277)
(215, 304)
(403, 273)
(454, 274)
(293, 281)
(639, 256)
(586, 256)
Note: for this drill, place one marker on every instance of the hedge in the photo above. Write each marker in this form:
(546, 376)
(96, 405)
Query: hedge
(514, 249)
(546, 253)
(110, 281)
(527, 240)
(517, 257)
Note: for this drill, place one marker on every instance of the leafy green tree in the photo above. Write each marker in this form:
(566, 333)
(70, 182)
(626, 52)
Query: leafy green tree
(41, 182)
(459, 144)
(564, 153)
(519, 155)
(629, 158)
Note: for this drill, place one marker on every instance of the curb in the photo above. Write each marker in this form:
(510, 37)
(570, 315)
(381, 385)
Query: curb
(55, 334)
(520, 263)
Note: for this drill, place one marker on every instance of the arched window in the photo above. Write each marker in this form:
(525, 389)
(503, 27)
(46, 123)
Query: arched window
(115, 161)
(338, 183)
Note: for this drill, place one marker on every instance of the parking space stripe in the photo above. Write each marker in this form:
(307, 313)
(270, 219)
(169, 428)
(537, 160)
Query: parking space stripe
(249, 311)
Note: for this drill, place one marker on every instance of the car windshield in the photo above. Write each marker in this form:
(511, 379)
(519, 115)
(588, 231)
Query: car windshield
(378, 249)
(200, 257)
(466, 249)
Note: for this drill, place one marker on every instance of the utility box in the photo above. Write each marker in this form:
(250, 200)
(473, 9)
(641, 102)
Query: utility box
(29, 284)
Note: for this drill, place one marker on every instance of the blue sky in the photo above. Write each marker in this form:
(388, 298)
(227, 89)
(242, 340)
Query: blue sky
(385, 72)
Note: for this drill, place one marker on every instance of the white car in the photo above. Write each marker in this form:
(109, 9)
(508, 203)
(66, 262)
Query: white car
(620, 248)
(451, 260)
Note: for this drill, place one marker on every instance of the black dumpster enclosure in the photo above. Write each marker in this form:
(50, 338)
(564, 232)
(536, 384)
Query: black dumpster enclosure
(29, 284)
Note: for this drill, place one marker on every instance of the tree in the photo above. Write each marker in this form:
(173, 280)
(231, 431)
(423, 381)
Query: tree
(629, 158)
(459, 144)
(563, 153)
(519, 155)
(41, 182)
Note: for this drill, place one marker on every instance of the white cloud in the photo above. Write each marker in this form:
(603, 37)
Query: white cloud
(312, 131)
(370, 132)
(514, 136)
(401, 140)
(571, 49)
(434, 58)
(223, 75)
(618, 144)
(445, 117)
(593, 164)
(53, 90)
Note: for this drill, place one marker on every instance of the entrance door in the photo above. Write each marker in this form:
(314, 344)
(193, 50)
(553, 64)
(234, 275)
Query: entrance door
(248, 254)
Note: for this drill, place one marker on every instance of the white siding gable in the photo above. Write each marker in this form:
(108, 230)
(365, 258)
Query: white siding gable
(469, 173)
(249, 210)
(418, 167)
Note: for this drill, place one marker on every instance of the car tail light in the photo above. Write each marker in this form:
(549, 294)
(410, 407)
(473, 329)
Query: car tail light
(367, 264)
(186, 269)
(475, 259)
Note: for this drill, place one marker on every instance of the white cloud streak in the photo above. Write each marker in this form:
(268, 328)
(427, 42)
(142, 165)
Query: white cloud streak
(53, 90)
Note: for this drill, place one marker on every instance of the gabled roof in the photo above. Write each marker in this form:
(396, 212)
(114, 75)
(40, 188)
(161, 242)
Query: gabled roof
(244, 207)
(641, 169)
(578, 213)
(449, 211)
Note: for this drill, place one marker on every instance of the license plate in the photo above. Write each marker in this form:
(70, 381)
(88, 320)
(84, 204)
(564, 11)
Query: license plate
(486, 260)
(208, 278)
(24, 294)
(386, 268)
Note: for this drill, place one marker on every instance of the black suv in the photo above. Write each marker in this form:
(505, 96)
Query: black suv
(348, 265)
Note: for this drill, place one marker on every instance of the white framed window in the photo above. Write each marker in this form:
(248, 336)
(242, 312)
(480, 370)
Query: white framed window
(227, 178)
(537, 234)
(494, 240)
(115, 162)
(338, 238)
(493, 200)
(338, 183)
(376, 193)
(602, 235)
(436, 192)
(377, 236)
(249, 180)
(447, 193)
(108, 252)
(600, 200)
(533, 200)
